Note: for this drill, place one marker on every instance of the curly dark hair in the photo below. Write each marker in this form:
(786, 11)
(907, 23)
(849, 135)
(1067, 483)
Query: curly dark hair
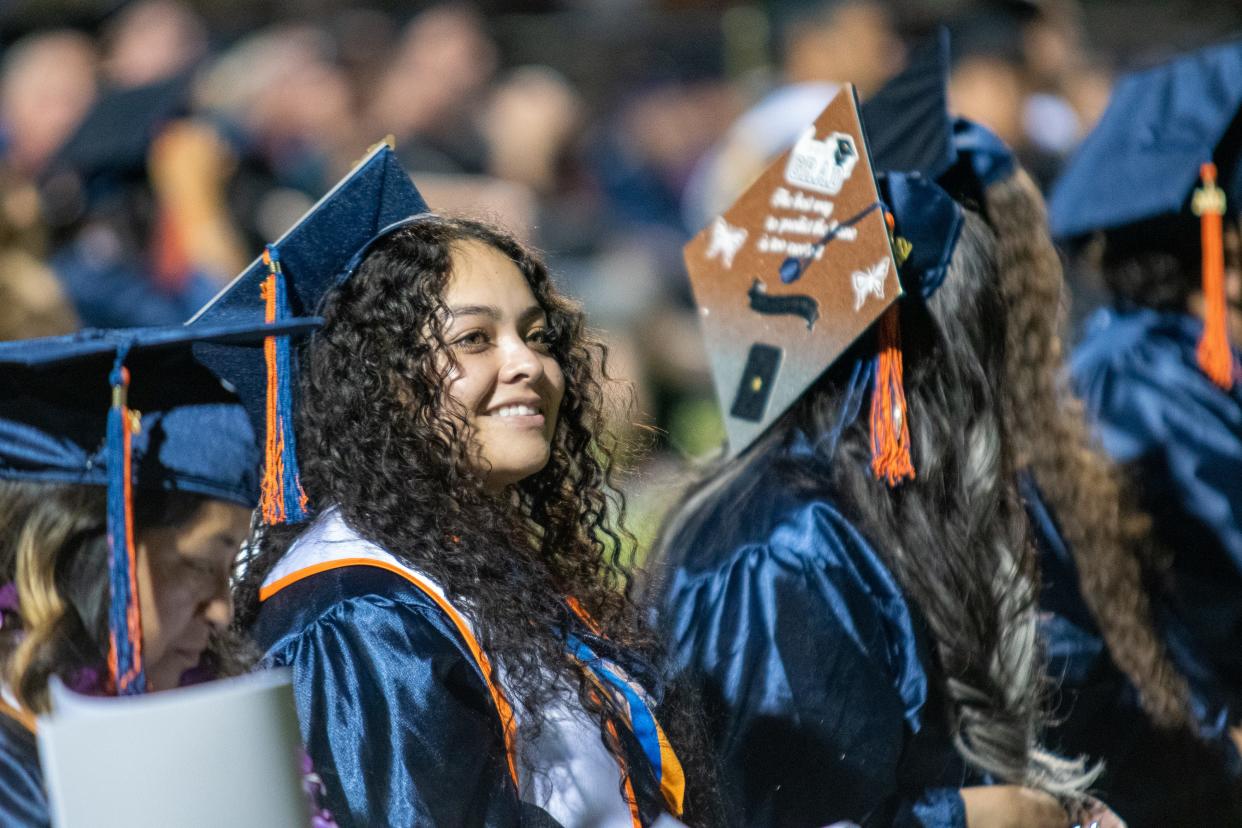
(54, 548)
(955, 537)
(1108, 536)
(379, 440)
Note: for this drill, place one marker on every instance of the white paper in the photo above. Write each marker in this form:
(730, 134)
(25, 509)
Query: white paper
(225, 753)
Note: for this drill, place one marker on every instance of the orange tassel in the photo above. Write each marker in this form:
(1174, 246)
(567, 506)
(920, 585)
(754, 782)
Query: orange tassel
(890, 432)
(278, 496)
(1215, 353)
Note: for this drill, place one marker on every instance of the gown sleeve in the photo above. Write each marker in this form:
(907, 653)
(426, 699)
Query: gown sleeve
(807, 663)
(396, 717)
(22, 799)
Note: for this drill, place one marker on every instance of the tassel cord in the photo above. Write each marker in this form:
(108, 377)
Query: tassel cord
(125, 665)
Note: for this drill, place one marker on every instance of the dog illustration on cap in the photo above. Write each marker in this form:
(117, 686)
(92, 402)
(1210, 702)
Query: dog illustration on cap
(822, 166)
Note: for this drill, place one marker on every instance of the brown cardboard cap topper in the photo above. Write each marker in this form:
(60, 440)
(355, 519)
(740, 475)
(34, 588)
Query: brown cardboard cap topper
(790, 275)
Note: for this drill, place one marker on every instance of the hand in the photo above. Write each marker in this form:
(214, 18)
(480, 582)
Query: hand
(1012, 806)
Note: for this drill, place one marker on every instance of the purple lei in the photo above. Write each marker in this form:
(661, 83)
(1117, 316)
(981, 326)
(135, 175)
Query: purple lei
(8, 597)
(321, 817)
(8, 602)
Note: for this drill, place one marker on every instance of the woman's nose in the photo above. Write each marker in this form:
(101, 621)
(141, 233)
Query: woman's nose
(219, 610)
(520, 362)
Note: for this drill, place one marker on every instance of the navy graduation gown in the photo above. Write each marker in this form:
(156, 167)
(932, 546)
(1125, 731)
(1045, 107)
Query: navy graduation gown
(23, 803)
(1181, 437)
(395, 712)
(1151, 778)
(814, 669)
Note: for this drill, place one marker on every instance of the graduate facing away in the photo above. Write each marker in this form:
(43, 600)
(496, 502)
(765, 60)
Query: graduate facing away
(440, 566)
(853, 590)
(1151, 200)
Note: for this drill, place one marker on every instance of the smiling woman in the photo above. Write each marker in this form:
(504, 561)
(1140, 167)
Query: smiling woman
(457, 616)
(504, 381)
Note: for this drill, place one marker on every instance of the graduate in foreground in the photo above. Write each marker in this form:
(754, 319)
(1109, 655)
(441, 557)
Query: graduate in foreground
(440, 567)
(856, 596)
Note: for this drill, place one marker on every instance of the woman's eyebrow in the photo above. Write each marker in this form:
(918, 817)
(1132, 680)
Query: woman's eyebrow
(531, 314)
(475, 310)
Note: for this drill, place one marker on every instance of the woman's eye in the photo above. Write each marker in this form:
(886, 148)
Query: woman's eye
(541, 338)
(473, 341)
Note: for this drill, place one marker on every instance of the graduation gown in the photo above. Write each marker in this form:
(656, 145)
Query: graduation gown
(1181, 437)
(23, 802)
(1151, 778)
(815, 670)
(399, 715)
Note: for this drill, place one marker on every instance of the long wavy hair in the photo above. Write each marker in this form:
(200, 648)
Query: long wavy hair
(379, 440)
(955, 537)
(1109, 537)
(54, 550)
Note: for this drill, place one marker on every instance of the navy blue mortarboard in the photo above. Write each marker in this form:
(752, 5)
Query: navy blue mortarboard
(69, 413)
(1165, 130)
(108, 151)
(907, 122)
(291, 279)
(1143, 158)
(313, 254)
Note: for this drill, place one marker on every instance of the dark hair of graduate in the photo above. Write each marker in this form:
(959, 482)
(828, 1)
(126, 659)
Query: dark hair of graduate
(955, 536)
(1153, 264)
(379, 440)
(54, 549)
(1110, 539)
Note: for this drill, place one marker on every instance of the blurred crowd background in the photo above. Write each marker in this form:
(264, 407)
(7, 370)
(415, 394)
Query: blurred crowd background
(148, 149)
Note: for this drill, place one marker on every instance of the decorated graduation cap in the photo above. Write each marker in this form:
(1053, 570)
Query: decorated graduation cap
(802, 265)
(1167, 136)
(290, 279)
(128, 409)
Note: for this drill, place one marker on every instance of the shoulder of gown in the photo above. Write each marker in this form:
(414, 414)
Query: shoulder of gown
(810, 662)
(23, 801)
(1152, 406)
(1181, 437)
(395, 713)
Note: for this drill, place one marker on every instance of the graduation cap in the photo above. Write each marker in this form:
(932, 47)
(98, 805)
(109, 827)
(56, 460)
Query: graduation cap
(802, 265)
(980, 159)
(125, 409)
(907, 122)
(1166, 131)
(290, 279)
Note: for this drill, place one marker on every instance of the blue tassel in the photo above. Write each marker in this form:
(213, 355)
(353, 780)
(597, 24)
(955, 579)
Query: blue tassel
(124, 623)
